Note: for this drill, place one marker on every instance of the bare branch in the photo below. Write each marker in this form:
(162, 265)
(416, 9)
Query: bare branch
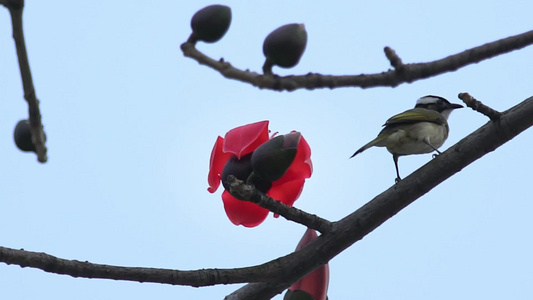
(75, 268)
(38, 137)
(250, 193)
(476, 105)
(404, 73)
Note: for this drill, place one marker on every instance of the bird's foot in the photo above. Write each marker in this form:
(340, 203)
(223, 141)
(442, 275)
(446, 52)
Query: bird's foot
(397, 179)
(436, 154)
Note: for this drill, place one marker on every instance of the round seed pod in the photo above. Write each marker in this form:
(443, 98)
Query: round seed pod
(22, 135)
(284, 46)
(210, 23)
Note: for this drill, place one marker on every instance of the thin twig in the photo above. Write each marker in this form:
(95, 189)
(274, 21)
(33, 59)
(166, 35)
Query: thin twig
(476, 105)
(37, 131)
(406, 74)
(250, 193)
(394, 59)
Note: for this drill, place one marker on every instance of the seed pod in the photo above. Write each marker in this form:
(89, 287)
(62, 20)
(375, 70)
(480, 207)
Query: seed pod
(284, 46)
(22, 136)
(15, 4)
(210, 23)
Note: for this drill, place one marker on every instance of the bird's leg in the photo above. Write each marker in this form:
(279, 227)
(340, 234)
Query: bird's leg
(395, 158)
(426, 141)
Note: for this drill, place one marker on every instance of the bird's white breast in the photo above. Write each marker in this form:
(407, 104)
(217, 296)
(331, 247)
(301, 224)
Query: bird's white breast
(409, 138)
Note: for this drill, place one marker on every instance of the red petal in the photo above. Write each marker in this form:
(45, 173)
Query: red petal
(309, 235)
(316, 283)
(216, 165)
(286, 192)
(301, 167)
(243, 213)
(244, 139)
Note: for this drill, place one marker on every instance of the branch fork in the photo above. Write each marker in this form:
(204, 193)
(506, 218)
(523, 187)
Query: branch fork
(246, 192)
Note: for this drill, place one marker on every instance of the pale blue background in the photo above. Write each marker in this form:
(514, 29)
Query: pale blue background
(131, 123)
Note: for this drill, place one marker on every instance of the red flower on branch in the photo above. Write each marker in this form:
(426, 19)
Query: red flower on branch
(276, 165)
(315, 284)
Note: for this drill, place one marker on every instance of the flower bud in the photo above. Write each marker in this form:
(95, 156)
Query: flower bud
(242, 170)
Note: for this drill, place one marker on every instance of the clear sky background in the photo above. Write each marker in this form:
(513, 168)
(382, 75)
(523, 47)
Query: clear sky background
(131, 123)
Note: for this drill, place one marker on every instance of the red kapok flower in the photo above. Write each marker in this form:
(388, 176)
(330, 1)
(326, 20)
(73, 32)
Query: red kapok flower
(315, 284)
(277, 166)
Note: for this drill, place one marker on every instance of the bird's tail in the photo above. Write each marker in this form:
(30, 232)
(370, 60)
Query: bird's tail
(372, 143)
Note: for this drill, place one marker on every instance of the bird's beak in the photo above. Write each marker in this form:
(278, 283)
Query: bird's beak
(454, 106)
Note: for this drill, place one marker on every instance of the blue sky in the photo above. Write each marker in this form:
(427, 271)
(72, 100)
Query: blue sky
(131, 123)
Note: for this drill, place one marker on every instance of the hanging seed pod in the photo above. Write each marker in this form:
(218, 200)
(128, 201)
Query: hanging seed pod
(210, 23)
(284, 47)
(22, 135)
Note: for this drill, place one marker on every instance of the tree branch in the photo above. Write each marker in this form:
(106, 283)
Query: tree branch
(75, 268)
(355, 226)
(38, 136)
(250, 193)
(273, 277)
(403, 73)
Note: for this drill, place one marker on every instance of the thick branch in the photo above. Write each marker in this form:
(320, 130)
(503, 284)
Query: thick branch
(363, 221)
(38, 137)
(250, 193)
(403, 73)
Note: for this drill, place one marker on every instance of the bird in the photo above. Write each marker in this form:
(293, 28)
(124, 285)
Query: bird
(420, 130)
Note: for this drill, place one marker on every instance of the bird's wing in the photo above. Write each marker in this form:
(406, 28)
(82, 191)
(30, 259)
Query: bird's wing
(416, 115)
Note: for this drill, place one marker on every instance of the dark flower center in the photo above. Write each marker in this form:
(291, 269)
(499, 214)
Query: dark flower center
(242, 170)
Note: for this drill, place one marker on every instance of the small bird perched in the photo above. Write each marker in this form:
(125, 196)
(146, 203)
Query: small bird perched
(422, 129)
